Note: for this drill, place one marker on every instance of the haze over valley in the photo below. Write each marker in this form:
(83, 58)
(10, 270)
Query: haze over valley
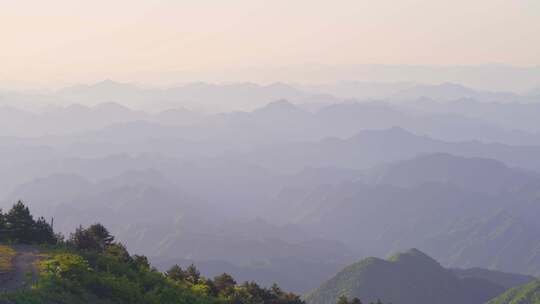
(270, 153)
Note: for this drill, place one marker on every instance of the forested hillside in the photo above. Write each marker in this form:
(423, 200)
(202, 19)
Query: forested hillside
(527, 294)
(91, 267)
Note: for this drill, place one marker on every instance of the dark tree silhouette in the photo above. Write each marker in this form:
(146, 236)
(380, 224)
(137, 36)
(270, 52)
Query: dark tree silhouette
(19, 226)
(192, 274)
(43, 232)
(176, 273)
(20, 223)
(224, 284)
(95, 237)
(101, 235)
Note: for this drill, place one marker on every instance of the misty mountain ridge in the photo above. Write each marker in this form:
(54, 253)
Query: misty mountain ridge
(452, 91)
(371, 147)
(134, 190)
(461, 225)
(247, 96)
(489, 176)
(342, 119)
(285, 186)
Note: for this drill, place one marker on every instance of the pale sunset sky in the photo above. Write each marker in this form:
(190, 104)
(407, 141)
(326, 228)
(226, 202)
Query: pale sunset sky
(72, 40)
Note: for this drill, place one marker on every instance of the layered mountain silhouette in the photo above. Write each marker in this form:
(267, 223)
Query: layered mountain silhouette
(430, 202)
(289, 179)
(368, 148)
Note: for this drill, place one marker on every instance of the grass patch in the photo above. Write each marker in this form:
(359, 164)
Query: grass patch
(6, 256)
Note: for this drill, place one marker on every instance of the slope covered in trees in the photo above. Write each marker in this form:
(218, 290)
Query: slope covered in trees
(526, 294)
(91, 267)
(406, 278)
(18, 225)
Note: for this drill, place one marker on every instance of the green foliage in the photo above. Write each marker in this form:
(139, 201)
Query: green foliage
(223, 285)
(192, 275)
(526, 294)
(95, 237)
(111, 276)
(18, 226)
(251, 293)
(176, 273)
(225, 288)
(66, 265)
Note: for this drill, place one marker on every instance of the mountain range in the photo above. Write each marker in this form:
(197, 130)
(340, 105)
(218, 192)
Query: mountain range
(288, 191)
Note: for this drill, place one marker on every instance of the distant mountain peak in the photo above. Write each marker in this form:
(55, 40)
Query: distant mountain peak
(448, 91)
(280, 106)
(413, 255)
(404, 278)
(394, 132)
(398, 129)
(110, 106)
(108, 83)
(76, 107)
(283, 87)
(104, 86)
(281, 103)
(453, 86)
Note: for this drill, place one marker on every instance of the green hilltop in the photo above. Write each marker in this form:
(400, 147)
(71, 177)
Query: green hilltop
(411, 277)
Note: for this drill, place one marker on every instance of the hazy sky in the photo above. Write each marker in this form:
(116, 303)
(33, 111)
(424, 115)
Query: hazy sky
(71, 40)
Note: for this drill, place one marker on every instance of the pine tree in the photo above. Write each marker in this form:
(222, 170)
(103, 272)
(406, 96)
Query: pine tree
(141, 262)
(101, 235)
(43, 232)
(224, 284)
(192, 274)
(95, 237)
(83, 240)
(176, 273)
(20, 223)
